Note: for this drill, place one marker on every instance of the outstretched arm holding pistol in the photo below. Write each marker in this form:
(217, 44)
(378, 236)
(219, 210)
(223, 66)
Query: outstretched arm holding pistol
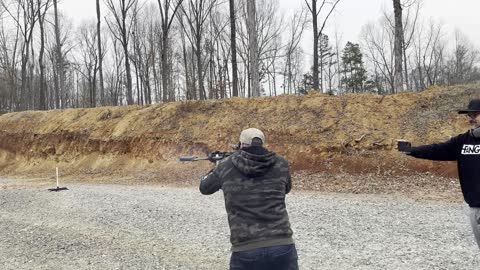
(445, 151)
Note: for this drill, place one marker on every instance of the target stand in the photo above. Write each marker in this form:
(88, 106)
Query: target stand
(58, 188)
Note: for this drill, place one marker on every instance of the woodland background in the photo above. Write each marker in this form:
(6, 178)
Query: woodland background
(144, 52)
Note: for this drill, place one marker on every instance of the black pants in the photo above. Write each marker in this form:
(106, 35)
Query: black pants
(274, 258)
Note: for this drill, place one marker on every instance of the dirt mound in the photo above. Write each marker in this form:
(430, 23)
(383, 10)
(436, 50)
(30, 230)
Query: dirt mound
(353, 134)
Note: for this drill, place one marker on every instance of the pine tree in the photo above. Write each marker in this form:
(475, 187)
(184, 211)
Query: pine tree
(354, 74)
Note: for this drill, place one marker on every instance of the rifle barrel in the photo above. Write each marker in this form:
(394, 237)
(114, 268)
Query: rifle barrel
(188, 158)
(192, 158)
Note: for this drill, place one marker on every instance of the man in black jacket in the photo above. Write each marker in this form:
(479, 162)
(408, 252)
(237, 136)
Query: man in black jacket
(465, 149)
(254, 183)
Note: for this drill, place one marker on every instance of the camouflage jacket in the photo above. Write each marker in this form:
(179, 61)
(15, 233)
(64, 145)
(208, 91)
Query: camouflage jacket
(254, 183)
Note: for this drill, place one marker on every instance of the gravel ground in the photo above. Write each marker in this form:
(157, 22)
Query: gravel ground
(150, 227)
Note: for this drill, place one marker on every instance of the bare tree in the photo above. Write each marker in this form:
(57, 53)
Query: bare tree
(136, 55)
(379, 43)
(25, 19)
(121, 31)
(331, 70)
(9, 46)
(190, 92)
(338, 68)
(296, 28)
(115, 76)
(233, 45)
(150, 32)
(428, 55)
(89, 57)
(146, 36)
(315, 10)
(60, 66)
(461, 67)
(253, 47)
(100, 54)
(325, 53)
(60, 98)
(218, 53)
(409, 28)
(42, 104)
(409, 25)
(269, 33)
(398, 46)
(166, 23)
(196, 14)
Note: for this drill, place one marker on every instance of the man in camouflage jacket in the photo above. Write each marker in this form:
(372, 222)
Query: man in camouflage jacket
(254, 183)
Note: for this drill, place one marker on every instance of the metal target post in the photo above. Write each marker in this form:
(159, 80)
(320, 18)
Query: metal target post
(57, 188)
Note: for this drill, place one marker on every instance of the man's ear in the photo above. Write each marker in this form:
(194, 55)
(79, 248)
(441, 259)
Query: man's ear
(236, 147)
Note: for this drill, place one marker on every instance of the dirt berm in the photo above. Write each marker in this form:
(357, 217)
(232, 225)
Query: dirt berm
(353, 134)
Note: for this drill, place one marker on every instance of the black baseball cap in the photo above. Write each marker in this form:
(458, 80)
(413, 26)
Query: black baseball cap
(473, 106)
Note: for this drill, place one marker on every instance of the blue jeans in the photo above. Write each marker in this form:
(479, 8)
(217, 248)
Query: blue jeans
(274, 258)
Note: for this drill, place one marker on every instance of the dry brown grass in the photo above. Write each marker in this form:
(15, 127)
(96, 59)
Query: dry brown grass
(352, 134)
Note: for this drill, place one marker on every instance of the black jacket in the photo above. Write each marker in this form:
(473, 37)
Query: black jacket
(465, 149)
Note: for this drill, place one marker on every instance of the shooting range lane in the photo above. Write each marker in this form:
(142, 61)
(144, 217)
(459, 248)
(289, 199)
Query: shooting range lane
(146, 227)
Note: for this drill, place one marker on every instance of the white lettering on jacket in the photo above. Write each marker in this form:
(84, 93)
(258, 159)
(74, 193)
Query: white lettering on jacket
(470, 149)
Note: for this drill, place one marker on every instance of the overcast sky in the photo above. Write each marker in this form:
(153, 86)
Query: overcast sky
(350, 16)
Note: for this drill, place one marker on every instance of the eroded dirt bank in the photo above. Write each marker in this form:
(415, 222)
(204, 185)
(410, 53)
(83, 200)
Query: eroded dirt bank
(350, 135)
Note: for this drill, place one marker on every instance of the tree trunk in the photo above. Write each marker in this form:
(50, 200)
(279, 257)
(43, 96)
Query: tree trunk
(129, 75)
(188, 88)
(166, 21)
(198, 52)
(195, 88)
(253, 48)
(56, 87)
(155, 77)
(100, 56)
(316, 84)
(94, 87)
(233, 44)
(146, 75)
(398, 46)
(121, 33)
(127, 61)
(165, 70)
(405, 67)
(59, 60)
(274, 81)
(20, 101)
(42, 103)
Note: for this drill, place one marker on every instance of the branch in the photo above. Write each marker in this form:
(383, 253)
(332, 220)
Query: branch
(326, 18)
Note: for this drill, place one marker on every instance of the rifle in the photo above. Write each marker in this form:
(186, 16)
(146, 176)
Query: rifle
(212, 157)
